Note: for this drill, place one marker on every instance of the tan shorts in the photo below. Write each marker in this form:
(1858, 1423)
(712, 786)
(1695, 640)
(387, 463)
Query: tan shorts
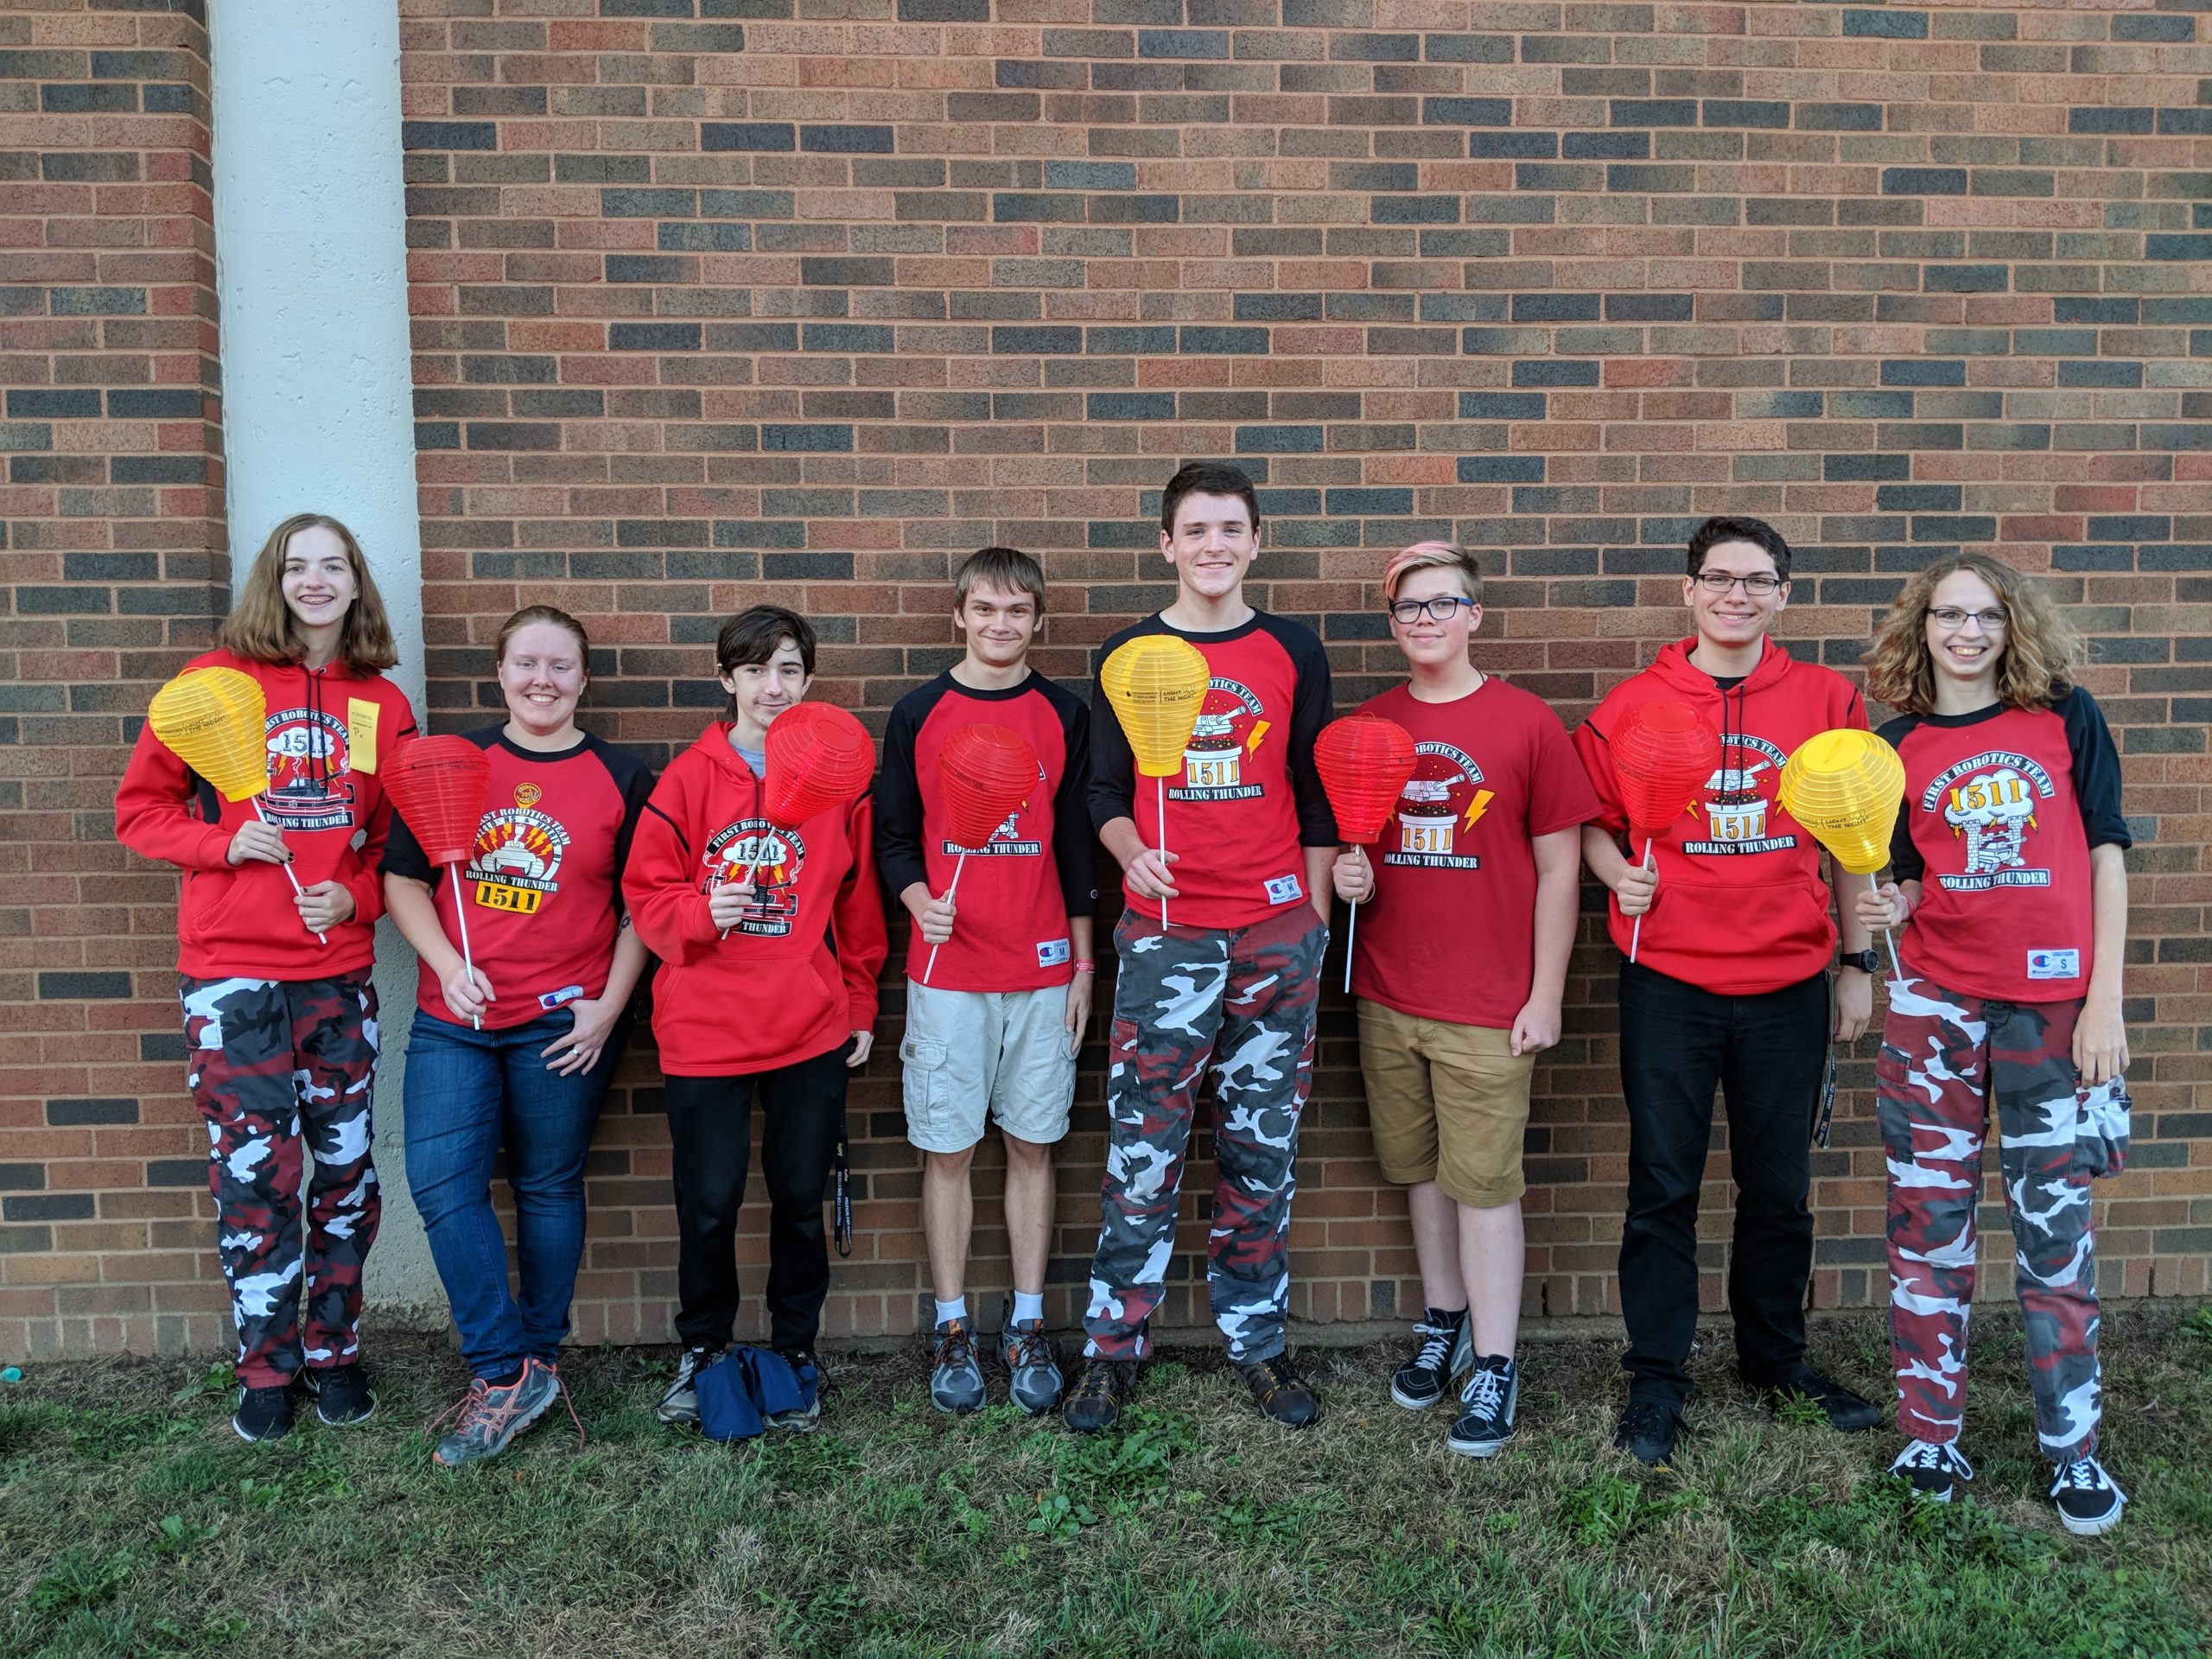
(1448, 1104)
(970, 1054)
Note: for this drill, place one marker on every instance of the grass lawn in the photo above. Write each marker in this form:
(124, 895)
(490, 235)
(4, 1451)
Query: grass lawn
(133, 1521)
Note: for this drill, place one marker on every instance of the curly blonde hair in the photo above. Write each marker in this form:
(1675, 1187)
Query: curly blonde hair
(260, 628)
(2042, 647)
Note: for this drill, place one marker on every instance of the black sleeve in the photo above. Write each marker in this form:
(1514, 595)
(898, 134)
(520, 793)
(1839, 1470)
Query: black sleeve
(634, 779)
(1313, 707)
(899, 858)
(1074, 850)
(2096, 769)
(404, 855)
(1113, 765)
(1906, 862)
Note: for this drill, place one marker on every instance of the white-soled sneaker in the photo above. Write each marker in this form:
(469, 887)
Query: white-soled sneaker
(2089, 1500)
(1934, 1469)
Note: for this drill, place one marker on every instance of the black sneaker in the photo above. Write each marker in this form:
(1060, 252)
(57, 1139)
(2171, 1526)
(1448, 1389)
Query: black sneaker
(681, 1403)
(1934, 1468)
(1647, 1431)
(2089, 1500)
(1281, 1395)
(955, 1376)
(1487, 1407)
(1099, 1394)
(802, 1420)
(1846, 1412)
(1443, 1354)
(263, 1414)
(341, 1395)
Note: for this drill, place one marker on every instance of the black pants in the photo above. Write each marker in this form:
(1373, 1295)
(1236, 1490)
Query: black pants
(710, 1123)
(1766, 1054)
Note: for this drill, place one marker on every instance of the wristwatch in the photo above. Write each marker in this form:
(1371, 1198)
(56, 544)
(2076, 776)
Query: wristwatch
(1865, 961)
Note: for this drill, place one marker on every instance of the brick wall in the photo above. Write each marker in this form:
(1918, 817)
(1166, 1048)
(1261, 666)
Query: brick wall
(720, 301)
(111, 535)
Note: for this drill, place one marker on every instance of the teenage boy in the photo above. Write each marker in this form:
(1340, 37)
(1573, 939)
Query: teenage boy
(1729, 989)
(1488, 834)
(996, 1029)
(1231, 986)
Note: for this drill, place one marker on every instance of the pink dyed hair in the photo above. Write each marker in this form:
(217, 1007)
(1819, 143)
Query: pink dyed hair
(1425, 556)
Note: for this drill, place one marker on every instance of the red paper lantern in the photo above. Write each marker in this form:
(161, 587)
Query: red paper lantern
(819, 756)
(1364, 762)
(440, 785)
(1662, 755)
(987, 771)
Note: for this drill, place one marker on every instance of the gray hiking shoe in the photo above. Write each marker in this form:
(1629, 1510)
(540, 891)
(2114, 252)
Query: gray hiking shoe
(1036, 1384)
(681, 1403)
(956, 1382)
(492, 1417)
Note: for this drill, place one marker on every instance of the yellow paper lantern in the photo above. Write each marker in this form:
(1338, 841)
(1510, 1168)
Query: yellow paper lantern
(214, 720)
(1846, 786)
(1156, 682)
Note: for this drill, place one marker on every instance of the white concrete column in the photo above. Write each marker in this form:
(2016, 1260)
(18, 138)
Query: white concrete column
(311, 277)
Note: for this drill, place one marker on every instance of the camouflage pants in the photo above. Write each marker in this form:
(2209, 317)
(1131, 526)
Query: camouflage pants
(282, 1069)
(1944, 1056)
(1239, 1002)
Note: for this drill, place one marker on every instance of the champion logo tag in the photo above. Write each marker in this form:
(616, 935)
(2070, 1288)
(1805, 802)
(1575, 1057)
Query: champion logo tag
(1050, 953)
(2054, 964)
(1282, 889)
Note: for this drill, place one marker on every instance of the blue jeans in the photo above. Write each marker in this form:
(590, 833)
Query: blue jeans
(468, 1092)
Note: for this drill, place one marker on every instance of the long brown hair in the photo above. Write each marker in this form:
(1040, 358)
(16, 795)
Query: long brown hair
(2042, 648)
(261, 627)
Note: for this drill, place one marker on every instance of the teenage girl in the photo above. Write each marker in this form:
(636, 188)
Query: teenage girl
(2011, 894)
(518, 1053)
(279, 1012)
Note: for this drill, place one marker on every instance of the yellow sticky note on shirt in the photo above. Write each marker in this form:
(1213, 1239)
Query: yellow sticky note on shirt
(361, 733)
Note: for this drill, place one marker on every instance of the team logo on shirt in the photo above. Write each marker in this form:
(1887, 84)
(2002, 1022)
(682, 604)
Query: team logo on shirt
(1990, 801)
(755, 850)
(1006, 841)
(1231, 726)
(310, 775)
(516, 862)
(1443, 800)
(1735, 809)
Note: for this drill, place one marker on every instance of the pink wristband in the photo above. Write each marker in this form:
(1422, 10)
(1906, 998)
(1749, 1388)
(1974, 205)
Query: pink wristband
(1084, 966)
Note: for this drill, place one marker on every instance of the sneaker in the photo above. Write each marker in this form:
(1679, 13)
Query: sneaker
(802, 1420)
(1934, 1468)
(262, 1413)
(1443, 1355)
(2089, 1500)
(1647, 1431)
(681, 1403)
(1487, 1405)
(1033, 1369)
(341, 1395)
(1281, 1395)
(956, 1382)
(1099, 1394)
(1846, 1412)
(493, 1416)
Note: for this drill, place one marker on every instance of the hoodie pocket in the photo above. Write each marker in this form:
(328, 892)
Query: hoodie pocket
(213, 902)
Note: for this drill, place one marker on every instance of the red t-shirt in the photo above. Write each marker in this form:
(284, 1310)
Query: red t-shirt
(1016, 894)
(1247, 798)
(543, 882)
(1450, 933)
(2001, 808)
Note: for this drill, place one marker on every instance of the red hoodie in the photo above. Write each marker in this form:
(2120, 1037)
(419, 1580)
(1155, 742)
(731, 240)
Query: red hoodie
(797, 977)
(329, 730)
(1741, 907)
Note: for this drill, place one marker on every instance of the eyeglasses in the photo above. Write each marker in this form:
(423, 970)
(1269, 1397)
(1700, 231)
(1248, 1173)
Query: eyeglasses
(1951, 620)
(1443, 609)
(1759, 587)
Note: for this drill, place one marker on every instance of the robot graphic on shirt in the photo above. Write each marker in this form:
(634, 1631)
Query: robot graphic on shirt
(1231, 726)
(755, 850)
(310, 774)
(1441, 802)
(516, 862)
(1990, 802)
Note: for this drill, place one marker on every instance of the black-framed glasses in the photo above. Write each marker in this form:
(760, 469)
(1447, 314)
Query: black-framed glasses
(1758, 587)
(1442, 608)
(1950, 620)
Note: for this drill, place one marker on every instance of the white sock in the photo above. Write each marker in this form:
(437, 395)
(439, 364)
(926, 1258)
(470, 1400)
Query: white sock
(1026, 1308)
(955, 1309)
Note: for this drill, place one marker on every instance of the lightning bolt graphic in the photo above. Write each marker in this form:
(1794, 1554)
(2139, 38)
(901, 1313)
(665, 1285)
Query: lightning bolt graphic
(1259, 731)
(1477, 807)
